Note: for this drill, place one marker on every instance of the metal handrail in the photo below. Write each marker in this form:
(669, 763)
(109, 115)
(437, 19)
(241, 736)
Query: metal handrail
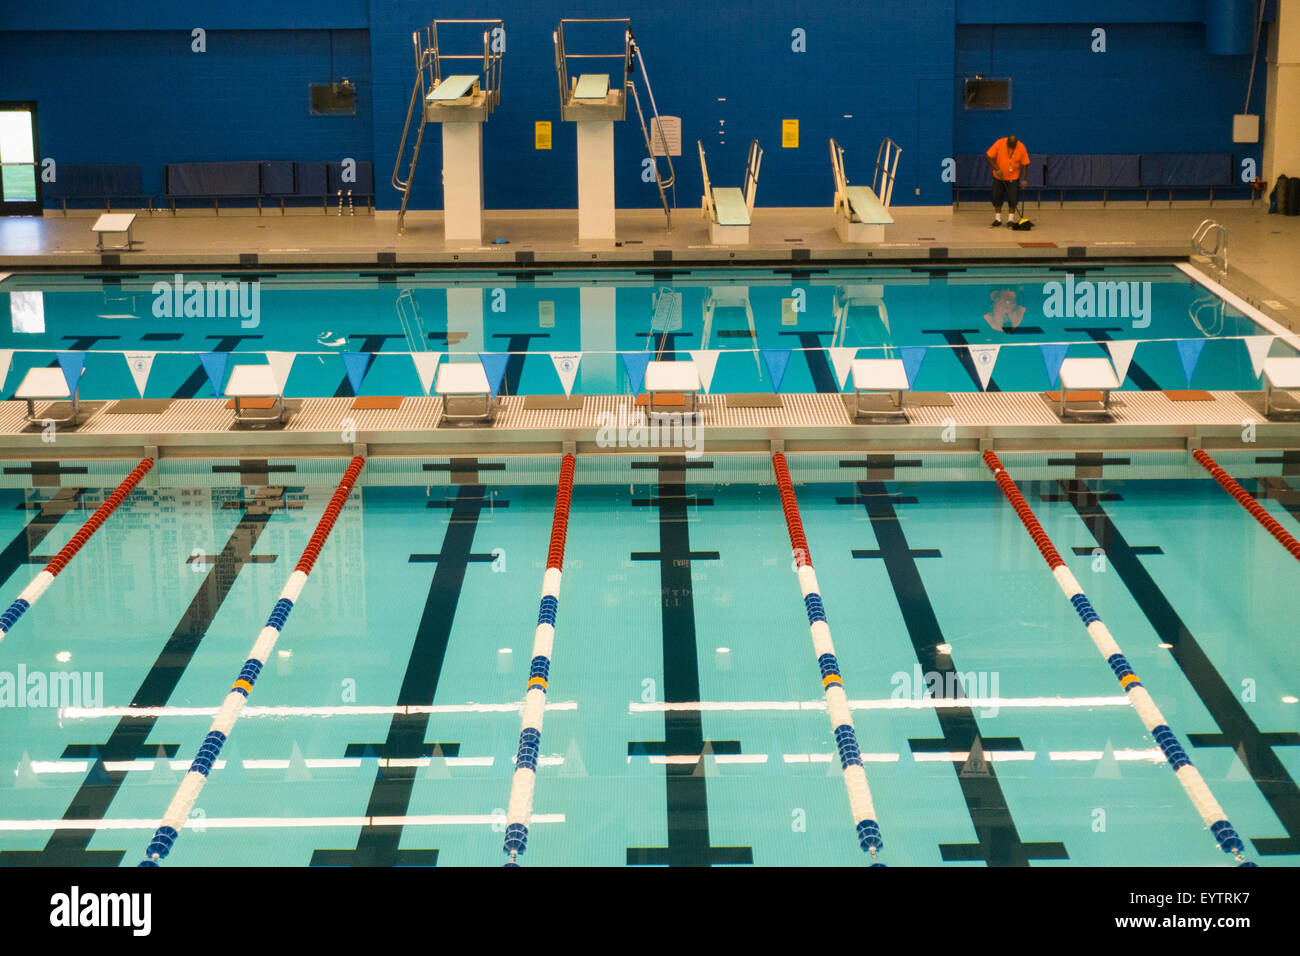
(882, 180)
(1219, 252)
(562, 55)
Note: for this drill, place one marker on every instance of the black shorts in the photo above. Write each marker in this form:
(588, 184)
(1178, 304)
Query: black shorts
(1004, 190)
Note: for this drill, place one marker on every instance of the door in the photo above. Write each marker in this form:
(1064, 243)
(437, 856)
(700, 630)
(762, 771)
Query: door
(20, 184)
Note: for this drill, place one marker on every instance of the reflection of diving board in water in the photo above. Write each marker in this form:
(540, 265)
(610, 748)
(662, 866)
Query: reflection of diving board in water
(862, 212)
(461, 103)
(728, 209)
(730, 297)
(868, 331)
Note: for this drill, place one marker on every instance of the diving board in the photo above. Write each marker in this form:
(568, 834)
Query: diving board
(457, 87)
(592, 86)
(729, 208)
(862, 212)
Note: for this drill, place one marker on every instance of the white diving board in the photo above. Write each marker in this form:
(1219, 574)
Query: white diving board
(592, 86)
(454, 88)
(865, 207)
(729, 202)
(729, 209)
(862, 212)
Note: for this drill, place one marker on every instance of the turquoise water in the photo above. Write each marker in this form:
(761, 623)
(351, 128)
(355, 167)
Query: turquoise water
(672, 592)
(611, 313)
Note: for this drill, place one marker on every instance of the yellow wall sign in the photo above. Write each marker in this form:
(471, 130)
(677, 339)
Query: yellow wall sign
(542, 134)
(790, 134)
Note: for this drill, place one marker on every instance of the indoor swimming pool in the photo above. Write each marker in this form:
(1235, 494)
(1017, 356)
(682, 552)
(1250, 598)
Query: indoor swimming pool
(685, 721)
(957, 328)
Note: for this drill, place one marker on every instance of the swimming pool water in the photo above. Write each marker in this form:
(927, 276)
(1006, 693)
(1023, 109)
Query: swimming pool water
(411, 641)
(608, 314)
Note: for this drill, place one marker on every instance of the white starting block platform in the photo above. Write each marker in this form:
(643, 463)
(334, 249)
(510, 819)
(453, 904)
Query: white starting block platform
(1282, 374)
(681, 378)
(1086, 375)
(466, 394)
(876, 377)
(47, 385)
(113, 223)
(255, 382)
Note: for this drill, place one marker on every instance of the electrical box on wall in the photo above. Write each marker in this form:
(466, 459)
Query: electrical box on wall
(333, 99)
(1245, 128)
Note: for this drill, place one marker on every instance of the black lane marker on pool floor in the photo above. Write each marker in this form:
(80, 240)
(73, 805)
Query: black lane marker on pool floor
(1254, 748)
(390, 794)
(225, 343)
(995, 828)
(686, 787)
(517, 343)
(961, 348)
(127, 741)
(819, 366)
(18, 552)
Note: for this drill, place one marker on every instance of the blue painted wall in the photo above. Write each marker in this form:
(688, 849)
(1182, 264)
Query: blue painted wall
(118, 83)
(1155, 89)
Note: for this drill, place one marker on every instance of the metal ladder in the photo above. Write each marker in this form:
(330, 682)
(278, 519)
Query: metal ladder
(412, 323)
(670, 183)
(428, 74)
(667, 318)
(1217, 253)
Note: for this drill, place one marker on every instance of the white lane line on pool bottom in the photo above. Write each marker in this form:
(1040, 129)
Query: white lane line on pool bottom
(889, 703)
(341, 710)
(264, 823)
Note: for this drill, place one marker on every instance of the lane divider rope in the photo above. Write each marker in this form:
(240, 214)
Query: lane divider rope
(178, 811)
(1187, 775)
(837, 704)
(30, 594)
(1247, 501)
(520, 810)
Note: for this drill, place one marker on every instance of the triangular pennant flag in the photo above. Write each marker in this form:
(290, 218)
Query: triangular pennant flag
(24, 774)
(140, 364)
(72, 364)
(162, 771)
(1257, 347)
(1108, 765)
(842, 361)
(297, 771)
(708, 765)
(357, 364)
(1237, 770)
(634, 364)
(234, 758)
(912, 356)
(573, 765)
(437, 768)
(706, 361)
(426, 363)
(1053, 356)
(1189, 352)
(6, 357)
(776, 361)
(281, 364)
(976, 764)
(494, 367)
(984, 357)
(214, 363)
(566, 366)
(1121, 355)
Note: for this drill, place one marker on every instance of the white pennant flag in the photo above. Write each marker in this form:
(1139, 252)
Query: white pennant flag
(842, 360)
(281, 363)
(1258, 346)
(6, 357)
(1121, 355)
(566, 366)
(426, 363)
(985, 357)
(706, 361)
(140, 364)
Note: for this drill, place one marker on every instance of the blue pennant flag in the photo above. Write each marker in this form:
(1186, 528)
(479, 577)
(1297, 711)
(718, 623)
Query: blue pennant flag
(1189, 350)
(777, 360)
(634, 364)
(494, 367)
(357, 364)
(913, 356)
(214, 363)
(1053, 357)
(72, 364)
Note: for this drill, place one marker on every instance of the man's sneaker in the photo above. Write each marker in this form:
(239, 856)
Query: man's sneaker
(994, 224)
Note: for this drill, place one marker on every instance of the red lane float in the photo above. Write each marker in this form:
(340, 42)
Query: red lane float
(1247, 501)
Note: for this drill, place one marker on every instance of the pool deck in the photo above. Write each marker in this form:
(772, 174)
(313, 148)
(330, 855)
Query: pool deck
(1262, 260)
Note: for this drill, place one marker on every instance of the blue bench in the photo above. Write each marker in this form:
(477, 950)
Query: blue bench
(95, 184)
(974, 175)
(1184, 171)
(282, 181)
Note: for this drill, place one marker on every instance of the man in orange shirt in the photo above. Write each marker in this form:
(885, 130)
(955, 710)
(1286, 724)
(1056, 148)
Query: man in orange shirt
(1008, 159)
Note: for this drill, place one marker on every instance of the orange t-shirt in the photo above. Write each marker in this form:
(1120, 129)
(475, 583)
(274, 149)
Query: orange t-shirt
(1008, 162)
